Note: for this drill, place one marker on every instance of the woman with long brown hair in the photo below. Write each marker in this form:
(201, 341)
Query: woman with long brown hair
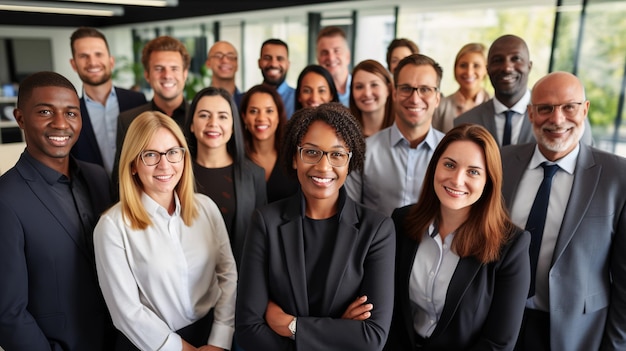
(462, 267)
(370, 96)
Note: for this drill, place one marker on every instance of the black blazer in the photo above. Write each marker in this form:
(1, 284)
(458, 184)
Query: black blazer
(484, 303)
(86, 147)
(273, 268)
(50, 297)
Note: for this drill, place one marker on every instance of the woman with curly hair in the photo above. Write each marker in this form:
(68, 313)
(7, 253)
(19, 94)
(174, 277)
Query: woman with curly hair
(317, 268)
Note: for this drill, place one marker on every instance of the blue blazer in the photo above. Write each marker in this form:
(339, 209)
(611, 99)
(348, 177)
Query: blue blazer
(587, 277)
(273, 268)
(50, 298)
(86, 147)
(484, 303)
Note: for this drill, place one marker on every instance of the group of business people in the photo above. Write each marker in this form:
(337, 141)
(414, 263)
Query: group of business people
(317, 270)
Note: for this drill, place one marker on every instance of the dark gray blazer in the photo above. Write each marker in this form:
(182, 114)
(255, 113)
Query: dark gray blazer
(50, 298)
(588, 275)
(484, 115)
(273, 268)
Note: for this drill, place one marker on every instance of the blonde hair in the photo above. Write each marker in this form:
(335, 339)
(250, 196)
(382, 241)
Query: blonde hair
(140, 133)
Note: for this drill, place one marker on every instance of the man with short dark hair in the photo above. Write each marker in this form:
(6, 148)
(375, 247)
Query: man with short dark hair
(101, 102)
(333, 53)
(274, 64)
(396, 158)
(505, 115)
(49, 205)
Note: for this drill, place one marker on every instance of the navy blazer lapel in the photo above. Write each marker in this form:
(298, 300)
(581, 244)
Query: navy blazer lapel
(291, 234)
(586, 178)
(347, 237)
(39, 187)
(464, 274)
(88, 135)
(405, 266)
(488, 116)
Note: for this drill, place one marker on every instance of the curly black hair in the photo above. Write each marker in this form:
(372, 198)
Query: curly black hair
(335, 115)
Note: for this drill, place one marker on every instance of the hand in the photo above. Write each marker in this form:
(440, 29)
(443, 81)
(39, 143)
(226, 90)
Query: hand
(358, 310)
(210, 348)
(277, 319)
(187, 346)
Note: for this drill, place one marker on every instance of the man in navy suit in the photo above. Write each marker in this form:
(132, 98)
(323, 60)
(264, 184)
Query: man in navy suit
(579, 296)
(101, 102)
(49, 204)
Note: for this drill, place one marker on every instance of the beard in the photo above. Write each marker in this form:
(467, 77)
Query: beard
(96, 81)
(273, 81)
(562, 144)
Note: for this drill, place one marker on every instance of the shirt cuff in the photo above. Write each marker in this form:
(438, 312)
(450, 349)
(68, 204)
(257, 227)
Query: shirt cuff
(221, 336)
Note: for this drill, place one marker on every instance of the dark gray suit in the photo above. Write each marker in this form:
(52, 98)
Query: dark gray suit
(484, 115)
(587, 277)
(273, 268)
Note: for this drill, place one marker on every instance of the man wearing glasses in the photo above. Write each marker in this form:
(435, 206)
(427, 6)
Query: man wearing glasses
(397, 157)
(572, 199)
(504, 116)
(222, 61)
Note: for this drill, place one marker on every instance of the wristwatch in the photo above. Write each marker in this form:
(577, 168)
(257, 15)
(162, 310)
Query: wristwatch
(292, 328)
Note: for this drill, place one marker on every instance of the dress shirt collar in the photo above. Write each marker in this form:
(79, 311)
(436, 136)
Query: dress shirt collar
(566, 163)
(520, 107)
(396, 137)
(111, 94)
(155, 210)
(282, 88)
(50, 175)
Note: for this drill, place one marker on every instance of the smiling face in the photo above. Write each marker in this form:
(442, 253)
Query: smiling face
(460, 177)
(222, 60)
(160, 180)
(212, 123)
(508, 65)
(51, 122)
(558, 132)
(261, 117)
(370, 92)
(314, 90)
(321, 181)
(166, 75)
(274, 63)
(334, 55)
(92, 61)
(470, 71)
(414, 111)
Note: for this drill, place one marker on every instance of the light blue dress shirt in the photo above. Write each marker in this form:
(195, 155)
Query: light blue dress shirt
(393, 171)
(104, 121)
(288, 95)
(345, 97)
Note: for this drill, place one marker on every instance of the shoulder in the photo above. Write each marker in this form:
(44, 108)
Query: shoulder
(206, 204)
(476, 113)
(517, 241)
(606, 158)
(129, 115)
(92, 169)
(509, 151)
(249, 167)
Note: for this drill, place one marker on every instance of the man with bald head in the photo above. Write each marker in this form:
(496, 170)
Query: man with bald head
(222, 61)
(577, 298)
(508, 66)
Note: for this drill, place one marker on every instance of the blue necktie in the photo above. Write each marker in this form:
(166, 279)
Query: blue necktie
(537, 220)
(506, 137)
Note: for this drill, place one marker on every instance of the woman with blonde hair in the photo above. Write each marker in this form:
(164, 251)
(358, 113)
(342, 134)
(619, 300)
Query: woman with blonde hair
(370, 96)
(470, 70)
(163, 256)
(462, 267)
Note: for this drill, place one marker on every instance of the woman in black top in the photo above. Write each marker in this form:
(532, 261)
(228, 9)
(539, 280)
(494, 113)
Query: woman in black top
(221, 169)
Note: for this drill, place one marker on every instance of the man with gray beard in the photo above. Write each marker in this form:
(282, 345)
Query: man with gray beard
(577, 220)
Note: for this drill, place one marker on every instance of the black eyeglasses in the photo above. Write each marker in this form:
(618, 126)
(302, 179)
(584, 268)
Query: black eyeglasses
(568, 109)
(313, 156)
(152, 157)
(423, 91)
